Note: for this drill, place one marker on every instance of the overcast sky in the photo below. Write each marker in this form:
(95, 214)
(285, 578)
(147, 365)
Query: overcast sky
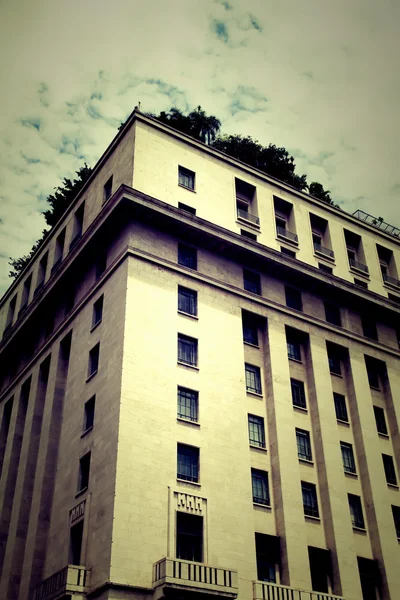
(319, 78)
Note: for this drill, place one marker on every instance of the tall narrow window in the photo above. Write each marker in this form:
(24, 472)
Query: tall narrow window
(187, 301)
(259, 481)
(189, 537)
(370, 578)
(25, 294)
(334, 361)
(186, 178)
(396, 519)
(356, 512)
(293, 298)
(250, 329)
(373, 374)
(5, 427)
(78, 225)
(75, 547)
(253, 379)
(369, 327)
(310, 502)
(188, 463)
(380, 420)
(390, 471)
(340, 407)
(320, 569)
(84, 471)
(303, 444)
(293, 348)
(89, 414)
(187, 404)
(268, 556)
(298, 393)
(10, 313)
(332, 314)
(245, 202)
(108, 189)
(256, 431)
(97, 311)
(41, 273)
(187, 350)
(349, 464)
(187, 256)
(252, 282)
(59, 250)
(94, 355)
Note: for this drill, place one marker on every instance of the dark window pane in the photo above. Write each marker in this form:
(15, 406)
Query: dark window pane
(348, 458)
(187, 350)
(332, 314)
(250, 330)
(187, 256)
(187, 301)
(380, 420)
(84, 470)
(186, 178)
(310, 503)
(334, 363)
(256, 431)
(89, 413)
(293, 298)
(396, 519)
(189, 537)
(75, 549)
(94, 360)
(293, 348)
(298, 393)
(356, 513)
(390, 471)
(340, 407)
(188, 463)
(252, 282)
(303, 444)
(253, 379)
(187, 404)
(260, 487)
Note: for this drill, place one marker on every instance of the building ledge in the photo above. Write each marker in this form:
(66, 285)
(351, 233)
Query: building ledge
(262, 591)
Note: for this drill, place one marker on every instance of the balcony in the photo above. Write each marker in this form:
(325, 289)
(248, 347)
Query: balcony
(391, 280)
(73, 580)
(172, 575)
(359, 266)
(288, 235)
(243, 214)
(327, 252)
(273, 591)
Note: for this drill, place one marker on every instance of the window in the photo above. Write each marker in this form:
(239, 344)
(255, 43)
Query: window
(320, 569)
(41, 273)
(325, 268)
(253, 379)
(340, 407)
(288, 252)
(396, 519)
(108, 189)
(250, 329)
(187, 256)
(187, 404)
(75, 545)
(380, 420)
(280, 223)
(25, 293)
(390, 472)
(332, 314)
(394, 298)
(188, 463)
(259, 482)
(187, 350)
(369, 328)
(248, 234)
(334, 361)
(310, 502)
(252, 282)
(59, 250)
(356, 512)
(89, 414)
(94, 360)
(187, 301)
(187, 208)
(189, 537)
(246, 205)
(303, 444)
(69, 299)
(268, 556)
(293, 298)
(84, 470)
(10, 313)
(101, 265)
(293, 348)
(361, 283)
(348, 458)
(256, 431)
(98, 311)
(78, 225)
(370, 578)
(186, 178)
(298, 393)
(373, 376)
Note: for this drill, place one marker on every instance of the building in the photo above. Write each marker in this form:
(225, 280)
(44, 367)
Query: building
(200, 389)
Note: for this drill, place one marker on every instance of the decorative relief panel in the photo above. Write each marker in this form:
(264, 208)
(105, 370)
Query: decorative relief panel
(189, 503)
(77, 513)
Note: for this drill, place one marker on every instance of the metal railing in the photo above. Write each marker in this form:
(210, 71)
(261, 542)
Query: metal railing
(287, 234)
(69, 579)
(273, 591)
(325, 251)
(243, 214)
(357, 265)
(391, 280)
(185, 572)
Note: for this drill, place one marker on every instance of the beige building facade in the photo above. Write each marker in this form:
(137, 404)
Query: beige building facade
(200, 389)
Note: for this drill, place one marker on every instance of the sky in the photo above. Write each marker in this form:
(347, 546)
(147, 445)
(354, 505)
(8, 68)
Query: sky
(319, 78)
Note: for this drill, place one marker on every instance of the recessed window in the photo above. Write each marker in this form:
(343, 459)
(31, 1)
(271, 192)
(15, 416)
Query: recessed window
(108, 189)
(396, 519)
(361, 283)
(89, 414)
(252, 282)
(188, 404)
(356, 511)
(187, 350)
(189, 537)
(41, 273)
(310, 502)
(332, 314)
(94, 355)
(259, 481)
(334, 361)
(373, 374)
(268, 557)
(250, 329)
(256, 431)
(298, 393)
(320, 570)
(293, 298)
(188, 463)
(248, 235)
(288, 252)
(101, 265)
(75, 545)
(59, 250)
(78, 225)
(69, 299)
(84, 471)
(187, 301)
(394, 298)
(25, 294)
(253, 379)
(349, 464)
(303, 444)
(380, 420)
(187, 256)
(340, 407)
(187, 208)
(293, 348)
(186, 178)
(390, 472)
(369, 328)
(325, 268)
(98, 311)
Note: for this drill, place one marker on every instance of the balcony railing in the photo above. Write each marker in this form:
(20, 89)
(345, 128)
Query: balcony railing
(194, 576)
(273, 591)
(359, 266)
(391, 280)
(71, 579)
(243, 214)
(287, 234)
(325, 251)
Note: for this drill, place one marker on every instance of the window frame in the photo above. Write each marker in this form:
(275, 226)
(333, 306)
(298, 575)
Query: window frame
(294, 384)
(187, 256)
(341, 415)
(310, 509)
(84, 472)
(186, 339)
(396, 519)
(348, 460)
(193, 396)
(107, 189)
(304, 435)
(98, 306)
(91, 403)
(253, 372)
(332, 314)
(293, 349)
(193, 465)
(380, 421)
(256, 429)
(390, 470)
(293, 298)
(184, 173)
(252, 281)
(94, 356)
(356, 511)
(260, 481)
(192, 302)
